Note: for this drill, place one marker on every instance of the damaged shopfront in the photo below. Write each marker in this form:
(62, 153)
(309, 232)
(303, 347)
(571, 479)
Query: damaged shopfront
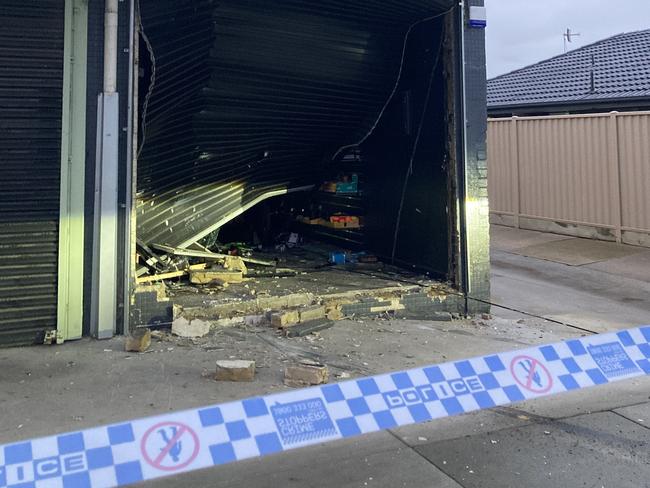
(236, 159)
(293, 155)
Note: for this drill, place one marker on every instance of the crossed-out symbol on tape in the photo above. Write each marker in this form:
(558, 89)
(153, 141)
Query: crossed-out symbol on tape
(170, 446)
(531, 374)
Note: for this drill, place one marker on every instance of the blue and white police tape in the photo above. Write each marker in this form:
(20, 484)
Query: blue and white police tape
(151, 448)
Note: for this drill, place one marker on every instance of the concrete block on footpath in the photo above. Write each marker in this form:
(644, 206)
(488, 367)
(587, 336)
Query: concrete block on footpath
(306, 374)
(235, 370)
(182, 327)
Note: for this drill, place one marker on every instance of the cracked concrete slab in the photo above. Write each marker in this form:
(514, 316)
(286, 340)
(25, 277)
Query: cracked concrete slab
(378, 460)
(579, 296)
(578, 252)
(600, 450)
(636, 266)
(510, 239)
(597, 399)
(474, 423)
(637, 413)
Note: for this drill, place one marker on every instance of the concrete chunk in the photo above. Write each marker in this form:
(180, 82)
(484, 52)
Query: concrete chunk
(235, 263)
(334, 313)
(306, 374)
(314, 312)
(177, 311)
(235, 370)
(217, 275)
(305, 328)
(285, 318)
(182, 327)
(138, 341)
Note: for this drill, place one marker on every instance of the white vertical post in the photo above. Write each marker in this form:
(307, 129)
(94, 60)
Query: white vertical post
(110, 46)
(104, 295)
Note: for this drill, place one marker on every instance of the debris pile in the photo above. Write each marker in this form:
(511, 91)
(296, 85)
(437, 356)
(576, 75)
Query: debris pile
(202, 267)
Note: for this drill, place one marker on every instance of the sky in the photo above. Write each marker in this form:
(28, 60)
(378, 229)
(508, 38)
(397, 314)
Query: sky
(523, 32)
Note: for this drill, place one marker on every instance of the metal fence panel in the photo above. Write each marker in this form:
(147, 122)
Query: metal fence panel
(634, 150)
(502, 166)
(583, 170)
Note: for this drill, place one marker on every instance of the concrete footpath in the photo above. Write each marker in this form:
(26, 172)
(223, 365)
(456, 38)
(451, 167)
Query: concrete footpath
(591, 438)
(597, 285)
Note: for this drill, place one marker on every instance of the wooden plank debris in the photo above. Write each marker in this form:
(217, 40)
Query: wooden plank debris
(208, 255)
(171, 275)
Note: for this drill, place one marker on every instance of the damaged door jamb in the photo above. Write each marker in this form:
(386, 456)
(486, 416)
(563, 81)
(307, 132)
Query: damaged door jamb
(128, 260)
(474, 204)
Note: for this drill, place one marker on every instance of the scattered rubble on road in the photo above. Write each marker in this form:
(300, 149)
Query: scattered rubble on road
(295, 315)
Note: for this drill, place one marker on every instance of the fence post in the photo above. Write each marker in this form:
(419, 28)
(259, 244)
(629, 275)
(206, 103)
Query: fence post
(615, 169)
(514, 147)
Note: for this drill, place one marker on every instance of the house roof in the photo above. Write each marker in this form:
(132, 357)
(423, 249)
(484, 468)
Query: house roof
(620, 67)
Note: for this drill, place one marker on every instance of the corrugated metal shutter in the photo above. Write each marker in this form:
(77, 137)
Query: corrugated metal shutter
(31, 86)
(253, 97)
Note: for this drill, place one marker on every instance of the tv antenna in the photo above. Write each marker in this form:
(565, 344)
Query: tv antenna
(568, 37)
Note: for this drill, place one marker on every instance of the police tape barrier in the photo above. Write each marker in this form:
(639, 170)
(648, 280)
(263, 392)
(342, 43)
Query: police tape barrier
(151, 448)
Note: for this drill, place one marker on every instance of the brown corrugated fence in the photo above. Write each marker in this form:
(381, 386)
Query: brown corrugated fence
(584, 175)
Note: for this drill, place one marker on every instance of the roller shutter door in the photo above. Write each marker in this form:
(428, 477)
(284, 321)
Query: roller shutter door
(31, 86)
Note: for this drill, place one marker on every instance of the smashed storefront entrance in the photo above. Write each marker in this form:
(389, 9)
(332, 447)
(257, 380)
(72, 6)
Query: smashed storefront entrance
(301, 156)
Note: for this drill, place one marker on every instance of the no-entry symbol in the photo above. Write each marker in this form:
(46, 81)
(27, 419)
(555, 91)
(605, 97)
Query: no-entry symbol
(531, 374)
(170, 446)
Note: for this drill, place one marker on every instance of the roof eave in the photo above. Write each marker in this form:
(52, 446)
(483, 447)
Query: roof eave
(570, 105)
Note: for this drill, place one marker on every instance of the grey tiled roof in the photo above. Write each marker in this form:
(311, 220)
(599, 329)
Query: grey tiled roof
(620, 65)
